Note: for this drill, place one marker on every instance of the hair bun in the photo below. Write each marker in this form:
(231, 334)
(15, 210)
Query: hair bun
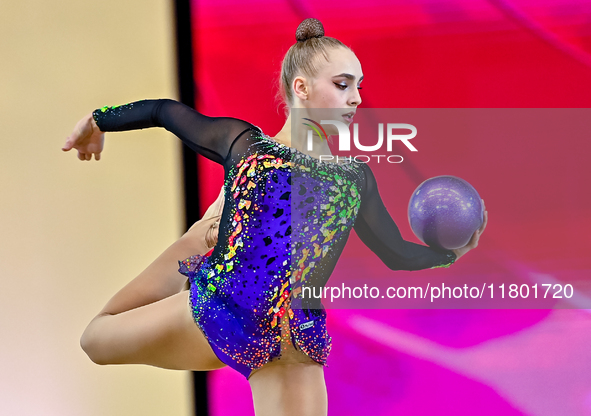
(309, 28)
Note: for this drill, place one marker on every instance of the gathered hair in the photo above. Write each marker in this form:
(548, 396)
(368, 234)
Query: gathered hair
(305, 56)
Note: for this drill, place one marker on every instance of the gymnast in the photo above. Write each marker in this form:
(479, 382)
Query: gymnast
(280, 222)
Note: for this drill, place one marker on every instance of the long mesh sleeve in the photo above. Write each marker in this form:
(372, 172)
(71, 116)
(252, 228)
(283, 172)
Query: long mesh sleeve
(378, 231)
(212, 137)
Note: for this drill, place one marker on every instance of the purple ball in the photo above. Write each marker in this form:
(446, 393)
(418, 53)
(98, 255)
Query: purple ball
(444, 212)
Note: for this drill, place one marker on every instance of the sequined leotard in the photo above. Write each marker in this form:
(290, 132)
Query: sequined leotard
(286, 219)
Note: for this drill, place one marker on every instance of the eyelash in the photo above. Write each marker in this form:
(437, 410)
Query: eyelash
(343, 86)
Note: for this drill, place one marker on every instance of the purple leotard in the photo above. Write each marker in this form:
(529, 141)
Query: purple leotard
(286, 219)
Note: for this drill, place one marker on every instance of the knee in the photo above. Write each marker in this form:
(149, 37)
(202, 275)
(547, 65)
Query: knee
(91, 345)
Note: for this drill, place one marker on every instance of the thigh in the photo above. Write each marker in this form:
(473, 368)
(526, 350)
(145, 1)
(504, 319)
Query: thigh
(296, 389)
(292, 384)
(162, 334)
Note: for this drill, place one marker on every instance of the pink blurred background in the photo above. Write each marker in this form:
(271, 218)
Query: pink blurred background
(439, 54)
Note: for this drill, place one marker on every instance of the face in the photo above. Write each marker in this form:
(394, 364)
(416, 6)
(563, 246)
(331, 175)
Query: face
(335, 87)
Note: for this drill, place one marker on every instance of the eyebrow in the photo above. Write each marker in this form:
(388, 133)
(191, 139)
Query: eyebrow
(349, 76)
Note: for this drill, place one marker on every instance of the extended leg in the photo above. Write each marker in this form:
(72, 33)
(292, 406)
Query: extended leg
(161, 278)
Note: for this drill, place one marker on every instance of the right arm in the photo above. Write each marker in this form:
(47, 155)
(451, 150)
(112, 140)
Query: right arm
(211, 137)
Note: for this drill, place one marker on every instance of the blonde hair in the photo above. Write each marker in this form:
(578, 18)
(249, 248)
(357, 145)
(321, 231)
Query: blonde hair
(303, 58)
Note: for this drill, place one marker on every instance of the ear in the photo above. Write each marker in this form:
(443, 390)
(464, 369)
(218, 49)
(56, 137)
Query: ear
(300, 87)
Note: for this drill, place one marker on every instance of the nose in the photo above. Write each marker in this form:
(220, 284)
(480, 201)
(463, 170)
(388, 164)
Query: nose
(355, 98)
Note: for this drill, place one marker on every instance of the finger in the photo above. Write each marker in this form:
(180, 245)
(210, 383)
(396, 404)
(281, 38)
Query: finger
(220, 202)
(474, 240)
(97, 156)
(80, 155)
(483, 226)
(484, 215)
(88, 156)
(68, 145)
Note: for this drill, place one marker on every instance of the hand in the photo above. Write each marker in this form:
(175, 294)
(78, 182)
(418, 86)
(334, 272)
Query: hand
(86, 138)
(213, 212)
(473, 243)
(205, 231)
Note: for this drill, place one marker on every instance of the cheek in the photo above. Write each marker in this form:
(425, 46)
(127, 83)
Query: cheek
(328, 98)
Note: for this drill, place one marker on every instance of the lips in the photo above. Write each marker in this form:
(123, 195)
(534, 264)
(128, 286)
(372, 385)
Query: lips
(349, 116)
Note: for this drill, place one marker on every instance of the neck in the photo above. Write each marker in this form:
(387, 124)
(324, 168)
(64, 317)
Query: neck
(295, 134)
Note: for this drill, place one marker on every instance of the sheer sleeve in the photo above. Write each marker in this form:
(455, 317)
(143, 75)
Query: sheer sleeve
(211, 137)
(378, 231)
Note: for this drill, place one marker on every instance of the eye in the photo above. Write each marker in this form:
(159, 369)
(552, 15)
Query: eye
(359, 88)
(341, 86)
